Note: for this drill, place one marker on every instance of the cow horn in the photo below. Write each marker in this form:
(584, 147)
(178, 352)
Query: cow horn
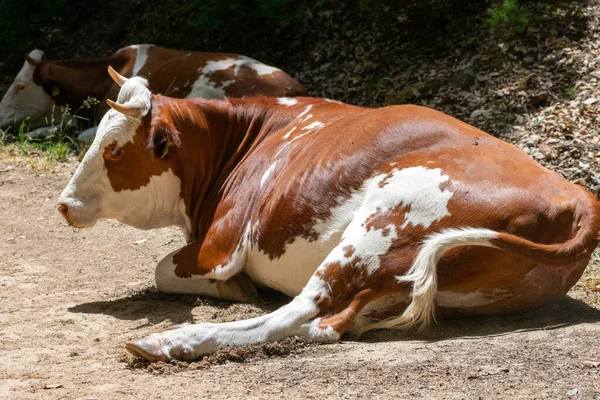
(118, 78)
(31, 61)
(130, 110)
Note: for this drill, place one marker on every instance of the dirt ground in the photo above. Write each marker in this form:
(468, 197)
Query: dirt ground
(70, 299)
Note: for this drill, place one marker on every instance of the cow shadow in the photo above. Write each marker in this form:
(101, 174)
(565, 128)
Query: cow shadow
(157, 307)
(559, 314)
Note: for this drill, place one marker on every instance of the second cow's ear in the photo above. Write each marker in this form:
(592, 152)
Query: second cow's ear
(54, 88)
(164, 140)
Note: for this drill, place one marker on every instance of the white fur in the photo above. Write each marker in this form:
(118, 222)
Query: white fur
(267, 174)
(238, 62)
(26, 101)
(303, 113)
(314, 125)
(287, 101)
(204, 87)
(287, 135)
(301, 258)
(141, 56)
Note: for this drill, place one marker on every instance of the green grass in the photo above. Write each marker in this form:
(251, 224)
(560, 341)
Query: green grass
(60, 144)
(508, 18)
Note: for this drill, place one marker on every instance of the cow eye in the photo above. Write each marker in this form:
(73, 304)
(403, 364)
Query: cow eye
(114, 154)
(19, 87)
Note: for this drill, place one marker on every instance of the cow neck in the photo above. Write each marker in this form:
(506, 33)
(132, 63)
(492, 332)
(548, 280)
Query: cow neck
(224, 132)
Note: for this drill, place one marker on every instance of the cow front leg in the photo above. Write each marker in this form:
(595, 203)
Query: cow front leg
(323, 311)
(180, 273)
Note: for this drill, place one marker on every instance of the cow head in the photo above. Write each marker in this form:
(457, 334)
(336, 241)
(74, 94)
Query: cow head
(128, 172)
(26, 99)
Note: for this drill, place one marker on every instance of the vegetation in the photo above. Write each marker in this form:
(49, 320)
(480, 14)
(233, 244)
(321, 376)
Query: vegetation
(510, 17)
(60, 142)
(440, 53)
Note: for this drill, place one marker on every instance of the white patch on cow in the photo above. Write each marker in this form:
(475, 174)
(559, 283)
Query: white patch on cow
(287, 101)
(314, 125)
(308, 129)
(301, 258)
(205, 88)
(419, 188)
(306, 110)
(267, 174)
(333, 101)
(25, 100)
(155, 205)
(141, 57)
(239, 62)
(463, 300)
(287, 135)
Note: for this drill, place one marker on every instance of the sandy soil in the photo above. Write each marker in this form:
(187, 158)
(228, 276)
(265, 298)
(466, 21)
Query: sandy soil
(70, 299)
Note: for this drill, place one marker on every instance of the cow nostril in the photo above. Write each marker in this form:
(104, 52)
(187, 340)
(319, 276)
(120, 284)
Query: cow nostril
(63, 209)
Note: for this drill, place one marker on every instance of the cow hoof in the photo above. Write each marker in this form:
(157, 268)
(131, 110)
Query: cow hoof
(147, 348)
(237, 288)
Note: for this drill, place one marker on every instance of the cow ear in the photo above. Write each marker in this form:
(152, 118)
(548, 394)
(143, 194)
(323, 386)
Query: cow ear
(164, 140)
(53, 88)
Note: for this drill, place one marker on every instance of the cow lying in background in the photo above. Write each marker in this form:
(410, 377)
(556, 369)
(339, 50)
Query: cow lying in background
(42, 85)
(369, 218)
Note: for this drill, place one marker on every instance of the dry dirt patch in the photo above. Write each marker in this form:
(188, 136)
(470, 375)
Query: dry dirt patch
(70, 299)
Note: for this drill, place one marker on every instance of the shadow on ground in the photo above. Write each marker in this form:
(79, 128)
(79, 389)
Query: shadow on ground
(158, 307)
(559, 314)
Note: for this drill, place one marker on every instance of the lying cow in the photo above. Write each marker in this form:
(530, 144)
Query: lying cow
(41, 85)
(369, 218)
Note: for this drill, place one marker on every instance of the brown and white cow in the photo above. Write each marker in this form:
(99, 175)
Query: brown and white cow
(369, 218)
(41, 85)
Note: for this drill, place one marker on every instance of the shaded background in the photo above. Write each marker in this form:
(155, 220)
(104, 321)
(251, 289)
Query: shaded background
(520, 70)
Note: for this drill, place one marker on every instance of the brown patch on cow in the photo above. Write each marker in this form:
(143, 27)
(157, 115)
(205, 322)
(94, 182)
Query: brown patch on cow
(137, 166)
(186, 260)
(348, 250)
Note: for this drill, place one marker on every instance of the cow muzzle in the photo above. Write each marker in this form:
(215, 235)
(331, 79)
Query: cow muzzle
(73, 212)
